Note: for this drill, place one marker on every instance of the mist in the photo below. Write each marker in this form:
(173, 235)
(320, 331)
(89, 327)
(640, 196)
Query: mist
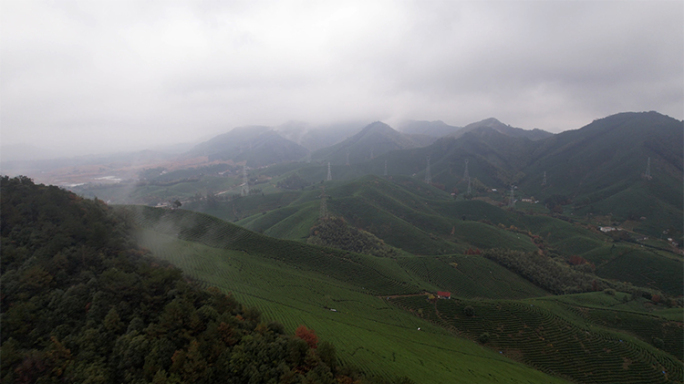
(100, 77)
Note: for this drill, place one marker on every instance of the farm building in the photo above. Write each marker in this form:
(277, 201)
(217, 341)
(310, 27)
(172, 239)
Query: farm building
(444, 295)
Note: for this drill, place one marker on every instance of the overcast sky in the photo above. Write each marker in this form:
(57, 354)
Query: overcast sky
(107, 75)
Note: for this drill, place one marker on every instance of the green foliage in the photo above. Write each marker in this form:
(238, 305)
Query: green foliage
(561, 337)
(92, 307)
(336, 233)
(294, 181)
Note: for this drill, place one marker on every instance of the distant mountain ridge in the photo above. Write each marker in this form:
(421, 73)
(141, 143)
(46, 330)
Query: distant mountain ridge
(492, 123)
(374, 140)
(314, 138)
(256, 145)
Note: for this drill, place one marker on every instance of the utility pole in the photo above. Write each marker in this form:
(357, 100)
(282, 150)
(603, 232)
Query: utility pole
(347, 157)
(385, 174)
(511, 202)
(329, 174)
(647, 175)
(544, 181)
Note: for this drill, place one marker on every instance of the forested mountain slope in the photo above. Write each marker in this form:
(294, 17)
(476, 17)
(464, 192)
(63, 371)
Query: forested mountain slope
(81, 302)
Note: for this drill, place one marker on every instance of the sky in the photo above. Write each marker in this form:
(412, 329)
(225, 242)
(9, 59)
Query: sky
(99, 76)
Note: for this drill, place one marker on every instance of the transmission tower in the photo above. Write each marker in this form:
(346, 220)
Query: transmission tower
(347, 157)
(544, 181)
(324, 205)
(385, 174)
(245, 181)
(329, 174)
(647, 175)
(428, 176)
(466, 176)
(511, 202)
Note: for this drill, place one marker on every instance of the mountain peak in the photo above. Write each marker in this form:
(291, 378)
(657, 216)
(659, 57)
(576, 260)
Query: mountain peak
(490, 122)
(378, 126)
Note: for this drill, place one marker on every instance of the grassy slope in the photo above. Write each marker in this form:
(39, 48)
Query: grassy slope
(294, 283)
(584, 344)
(367, 331)
(405, 214)
(424, 220)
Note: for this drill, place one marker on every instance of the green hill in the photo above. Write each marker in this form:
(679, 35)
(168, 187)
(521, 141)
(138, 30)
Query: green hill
(294, 283)
(291, 280)
(83, 303)
(404, 214)
(584, 344)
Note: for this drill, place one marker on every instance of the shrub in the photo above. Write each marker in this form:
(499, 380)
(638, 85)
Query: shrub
(469, 311)
(658, 343)
(483, 338)
(609, 291)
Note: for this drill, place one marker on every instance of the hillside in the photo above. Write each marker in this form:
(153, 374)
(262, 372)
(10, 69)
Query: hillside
(143, 323)
(424, 220)
(372, 141)
(600, 166)
(81, 302)
(373, 327)
(257, 145)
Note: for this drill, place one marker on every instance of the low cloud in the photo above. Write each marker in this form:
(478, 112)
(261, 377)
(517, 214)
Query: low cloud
(96, 76)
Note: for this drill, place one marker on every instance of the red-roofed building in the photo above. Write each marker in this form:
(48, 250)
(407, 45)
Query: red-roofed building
(444, 295)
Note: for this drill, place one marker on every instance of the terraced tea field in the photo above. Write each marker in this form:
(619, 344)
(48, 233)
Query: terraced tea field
(593, 338)
(563, 341)
(471, 276)
(367, 331)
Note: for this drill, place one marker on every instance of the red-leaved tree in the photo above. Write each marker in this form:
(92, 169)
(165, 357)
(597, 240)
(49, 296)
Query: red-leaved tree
(308, 335)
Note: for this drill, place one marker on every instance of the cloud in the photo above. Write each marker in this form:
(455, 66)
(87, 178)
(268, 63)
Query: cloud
(113, 75)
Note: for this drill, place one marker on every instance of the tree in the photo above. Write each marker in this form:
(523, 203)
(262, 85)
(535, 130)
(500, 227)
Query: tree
(308, 335)
(177, 204)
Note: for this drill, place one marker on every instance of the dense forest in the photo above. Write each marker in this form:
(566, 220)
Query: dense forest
(81, 302)
(575, 276)
(336, 233)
